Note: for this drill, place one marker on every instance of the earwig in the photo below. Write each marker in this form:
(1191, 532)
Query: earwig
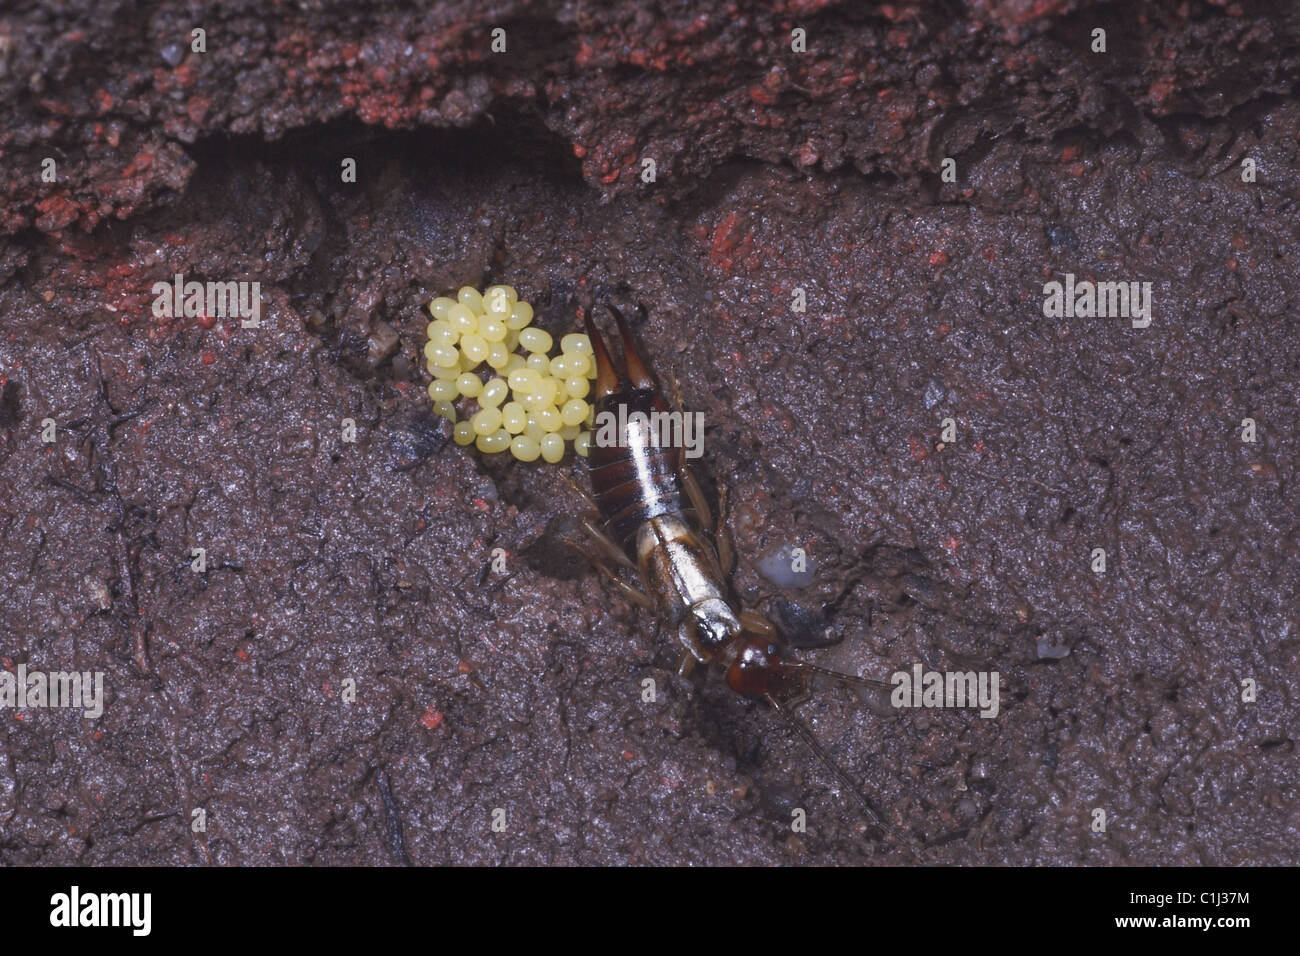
(654, 520)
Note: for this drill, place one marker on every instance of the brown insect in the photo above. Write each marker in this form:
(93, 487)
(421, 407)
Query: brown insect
(654, 520)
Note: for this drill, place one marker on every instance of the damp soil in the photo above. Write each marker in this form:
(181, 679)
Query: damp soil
(351, 679)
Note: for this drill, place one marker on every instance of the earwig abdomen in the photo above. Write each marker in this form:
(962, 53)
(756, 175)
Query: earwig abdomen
(639, 481)
(640, 491)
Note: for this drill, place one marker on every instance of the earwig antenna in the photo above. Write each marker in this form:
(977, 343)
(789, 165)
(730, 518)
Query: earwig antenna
(832, 764)
(851, 678)
(837, 675)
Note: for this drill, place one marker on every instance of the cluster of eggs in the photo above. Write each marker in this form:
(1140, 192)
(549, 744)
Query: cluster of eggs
(532, 403)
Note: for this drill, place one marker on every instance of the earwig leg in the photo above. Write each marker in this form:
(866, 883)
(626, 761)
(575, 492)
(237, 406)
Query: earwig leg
(686, 638)
(693, 490)
(610, 550)
(698, 501)
(677, 392)
(726, 547)
(754, 623)
(686, 666)
(568, 479)
(632, 594)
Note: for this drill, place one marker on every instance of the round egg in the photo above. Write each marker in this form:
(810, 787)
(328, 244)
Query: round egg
(534, 430)
(475, 347)
(444, 390)
(513, 417)
(498, 441)
(575, 342)
(486, 421)
(494, 393)
(497, 302)
(536, 340)
(462, 319)
(520, 315)
(524, 448)
(438, 307)
(579, 364)
(469, 384)
(443, 356)
(549, 419)
(524, 380)
(574, 411)
(441, 333)
(492, 328)
(498, 356)
(552, 447)
(469, 297)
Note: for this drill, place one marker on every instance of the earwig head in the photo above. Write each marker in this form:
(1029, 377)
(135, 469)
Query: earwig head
(609, 378)
(759, 671)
